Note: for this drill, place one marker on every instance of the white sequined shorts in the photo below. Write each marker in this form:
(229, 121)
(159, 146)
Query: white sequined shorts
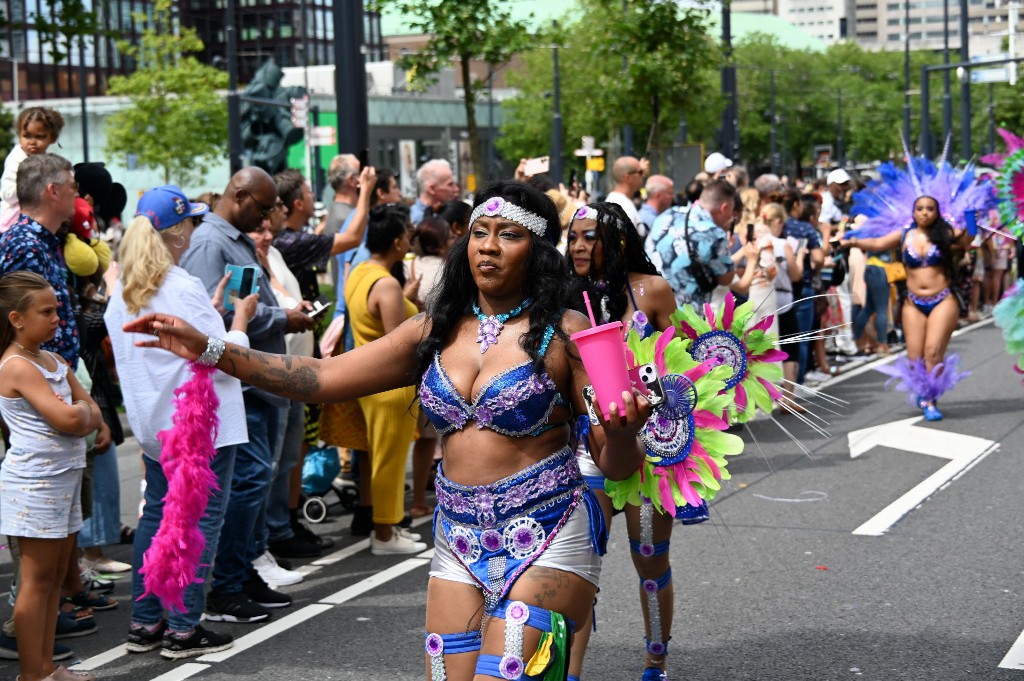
(572, 550)
(41, 507)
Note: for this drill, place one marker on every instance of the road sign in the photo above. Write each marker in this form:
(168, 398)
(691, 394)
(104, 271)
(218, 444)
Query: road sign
(999, 74)
(589, 152)
(587, 142)
(963, 451)
(300, 111)
(595, 164)
(322, 136)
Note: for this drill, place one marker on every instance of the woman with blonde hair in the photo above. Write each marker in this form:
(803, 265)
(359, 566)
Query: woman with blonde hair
(150, 279)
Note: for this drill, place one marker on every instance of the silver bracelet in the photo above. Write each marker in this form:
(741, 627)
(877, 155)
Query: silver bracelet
(214, 349)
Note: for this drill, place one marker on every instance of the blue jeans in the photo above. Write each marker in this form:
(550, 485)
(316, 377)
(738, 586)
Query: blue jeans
(104, 527)
(148, 610)
(876, 301)
(291, 433)
(246, 509)
(804, 310)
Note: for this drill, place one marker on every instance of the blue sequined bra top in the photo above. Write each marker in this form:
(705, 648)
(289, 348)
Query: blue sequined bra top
(932, 257)
(515, 402)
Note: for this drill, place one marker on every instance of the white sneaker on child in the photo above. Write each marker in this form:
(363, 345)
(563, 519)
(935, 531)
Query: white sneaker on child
(273, 574)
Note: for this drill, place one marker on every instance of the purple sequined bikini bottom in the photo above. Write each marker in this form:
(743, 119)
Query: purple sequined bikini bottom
(496, 531)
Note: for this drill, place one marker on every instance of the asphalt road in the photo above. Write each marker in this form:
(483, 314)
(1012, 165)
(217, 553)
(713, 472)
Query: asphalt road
(776, 586)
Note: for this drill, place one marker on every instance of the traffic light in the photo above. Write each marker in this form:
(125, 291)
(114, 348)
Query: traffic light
(300, 111)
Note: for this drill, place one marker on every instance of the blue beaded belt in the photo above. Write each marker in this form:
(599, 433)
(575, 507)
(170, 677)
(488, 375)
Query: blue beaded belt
(496, 531)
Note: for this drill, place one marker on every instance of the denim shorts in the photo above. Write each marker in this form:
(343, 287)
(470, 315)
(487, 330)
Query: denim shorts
(40, 507)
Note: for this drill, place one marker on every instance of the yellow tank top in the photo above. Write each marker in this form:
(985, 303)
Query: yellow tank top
(365, 327)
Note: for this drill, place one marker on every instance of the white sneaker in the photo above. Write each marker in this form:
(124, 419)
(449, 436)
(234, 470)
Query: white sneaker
(273, 574)
(817, 376)
(398, 544)
(408, 534)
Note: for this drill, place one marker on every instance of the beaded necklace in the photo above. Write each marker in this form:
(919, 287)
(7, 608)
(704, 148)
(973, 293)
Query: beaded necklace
(491, 325)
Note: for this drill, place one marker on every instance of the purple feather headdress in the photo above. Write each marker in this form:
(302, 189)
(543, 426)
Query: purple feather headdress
(888, 203)
(912, 377)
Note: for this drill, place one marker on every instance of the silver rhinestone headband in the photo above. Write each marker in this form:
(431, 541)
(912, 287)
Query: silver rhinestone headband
(510, 211)
(590, 213)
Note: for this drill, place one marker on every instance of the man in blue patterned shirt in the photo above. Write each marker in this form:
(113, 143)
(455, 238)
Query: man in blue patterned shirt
(706, 220)
(46, 192)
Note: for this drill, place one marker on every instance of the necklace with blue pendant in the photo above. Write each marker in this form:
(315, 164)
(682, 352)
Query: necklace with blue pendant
(491, 325)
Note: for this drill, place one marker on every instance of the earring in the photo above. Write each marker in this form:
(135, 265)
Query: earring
(21, 328)
(179, 242)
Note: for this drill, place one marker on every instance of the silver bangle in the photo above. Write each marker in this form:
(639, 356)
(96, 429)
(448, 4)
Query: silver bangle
(214, 349)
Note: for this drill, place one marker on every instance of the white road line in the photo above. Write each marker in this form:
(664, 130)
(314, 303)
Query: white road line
(99, 660)
(267, 632)
(182, 672)
(341, 554)
(1014, 658)
(359, 588)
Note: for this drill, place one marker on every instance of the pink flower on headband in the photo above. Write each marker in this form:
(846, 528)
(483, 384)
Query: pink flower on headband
(494, 206)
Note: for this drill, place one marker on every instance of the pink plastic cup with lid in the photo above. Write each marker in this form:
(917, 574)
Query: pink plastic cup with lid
(604, 358)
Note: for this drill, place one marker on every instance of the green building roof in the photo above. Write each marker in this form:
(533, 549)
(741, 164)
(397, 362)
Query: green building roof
(544, 11)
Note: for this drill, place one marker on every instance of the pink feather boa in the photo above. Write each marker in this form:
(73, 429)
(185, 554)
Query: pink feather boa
(171, 562)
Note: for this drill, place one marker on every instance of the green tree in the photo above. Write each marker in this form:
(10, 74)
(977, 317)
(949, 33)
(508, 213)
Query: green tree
(647, 64)
(7, 137)
(177, 122)
(463, 31)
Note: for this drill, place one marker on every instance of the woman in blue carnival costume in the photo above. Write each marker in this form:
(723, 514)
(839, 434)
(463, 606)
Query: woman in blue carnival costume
(605, 252)
(927, 212)
(515, 523)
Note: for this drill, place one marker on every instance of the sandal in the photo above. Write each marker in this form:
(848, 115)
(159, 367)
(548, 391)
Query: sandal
(421, 511)
(78, 612)
(91, 599)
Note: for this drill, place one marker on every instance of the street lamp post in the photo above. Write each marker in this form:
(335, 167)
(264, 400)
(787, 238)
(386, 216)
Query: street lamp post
(774, 149)
(839, 129)
(965, 87)
(906, 71)
(730, 135)
(556, 123)
(234, 104)
(947, 101)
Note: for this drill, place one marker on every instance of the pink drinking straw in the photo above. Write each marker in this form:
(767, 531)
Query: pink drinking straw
(590, 310)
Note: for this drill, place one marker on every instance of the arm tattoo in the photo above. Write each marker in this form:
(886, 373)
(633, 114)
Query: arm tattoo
(284, 374)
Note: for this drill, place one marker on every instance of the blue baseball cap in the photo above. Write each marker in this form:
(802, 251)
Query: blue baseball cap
(167, 205)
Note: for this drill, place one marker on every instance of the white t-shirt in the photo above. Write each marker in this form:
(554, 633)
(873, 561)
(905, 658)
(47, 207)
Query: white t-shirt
(300, 344)
(9, 206)
(627, 205)
(149, 376)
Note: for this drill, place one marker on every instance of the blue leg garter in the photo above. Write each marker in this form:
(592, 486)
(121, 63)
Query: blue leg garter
(550, 662)
(439, 645)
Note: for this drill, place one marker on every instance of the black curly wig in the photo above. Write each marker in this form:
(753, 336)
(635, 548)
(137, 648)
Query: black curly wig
(623, 252)
(940, 233)
(546, 280)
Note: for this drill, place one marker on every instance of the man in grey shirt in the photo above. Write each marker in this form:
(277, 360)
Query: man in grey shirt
(238, 594)
(343, 176)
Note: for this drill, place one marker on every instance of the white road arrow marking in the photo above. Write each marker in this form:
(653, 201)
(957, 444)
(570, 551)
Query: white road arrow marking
(963, 452)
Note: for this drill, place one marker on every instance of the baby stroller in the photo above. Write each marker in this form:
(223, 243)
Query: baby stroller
(320, 477)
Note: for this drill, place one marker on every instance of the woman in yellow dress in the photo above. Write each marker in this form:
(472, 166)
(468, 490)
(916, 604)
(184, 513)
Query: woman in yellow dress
(377, 304)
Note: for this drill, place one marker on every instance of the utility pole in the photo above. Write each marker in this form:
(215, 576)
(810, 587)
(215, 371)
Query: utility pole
(906, 73)
(350, 77)
(730, 135)
(771, 111)
(947, 101)
(839, 129)
(83, 95)
(556, 124)
(965, 86)
(234, 104)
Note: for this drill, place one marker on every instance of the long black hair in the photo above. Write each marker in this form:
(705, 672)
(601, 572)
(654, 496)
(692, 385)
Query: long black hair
(940, 233)
(546, 280)
(623, 252)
